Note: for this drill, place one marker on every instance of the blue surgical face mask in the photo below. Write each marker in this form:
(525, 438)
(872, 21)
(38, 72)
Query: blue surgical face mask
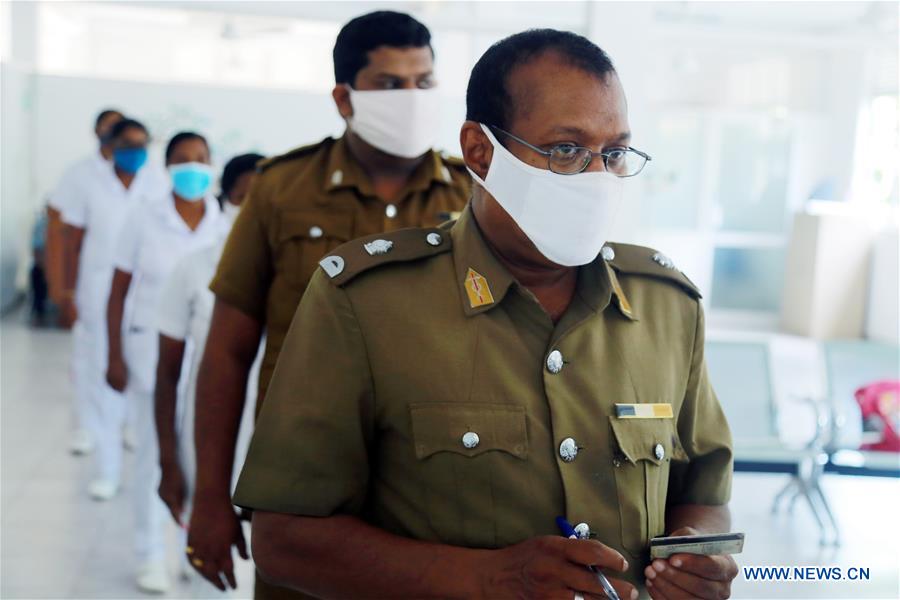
(130, 160)
(192, 180)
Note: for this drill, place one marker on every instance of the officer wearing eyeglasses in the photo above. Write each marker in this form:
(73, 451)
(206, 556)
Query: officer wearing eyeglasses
(445, 393)
(569, 159)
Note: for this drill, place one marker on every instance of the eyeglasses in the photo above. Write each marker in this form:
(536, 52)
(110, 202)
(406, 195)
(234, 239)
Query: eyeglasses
(568, 159)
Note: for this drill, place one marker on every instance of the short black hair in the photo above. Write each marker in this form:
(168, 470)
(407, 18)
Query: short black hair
(366, 33)
(183, 136)
(119, 128)
(487, 97)
(105, 113)
(236, 167)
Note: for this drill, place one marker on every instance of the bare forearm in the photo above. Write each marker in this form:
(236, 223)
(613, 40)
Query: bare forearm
(54, 252)
(72, 239)
(165, 397)
(164, 411)
(220, 404)
(221, 392)
(702, 517)
(342, 556)
(115, 308)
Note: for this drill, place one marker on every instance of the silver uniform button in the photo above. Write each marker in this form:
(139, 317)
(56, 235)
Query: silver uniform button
(663, 260)
(555, 362)
(315, 232)
(390, 211)
(607, 253)
(434, 239)
(376, 247)
(583, 531)
(470, 439)
(337, 177)
(568, 450)
(332, 265)
(659, 452)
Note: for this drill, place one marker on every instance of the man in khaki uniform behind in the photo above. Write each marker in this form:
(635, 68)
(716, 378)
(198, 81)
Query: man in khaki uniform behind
(444, 393)
(381, 175)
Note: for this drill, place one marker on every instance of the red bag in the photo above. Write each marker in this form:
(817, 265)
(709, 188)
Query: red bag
(880, 406)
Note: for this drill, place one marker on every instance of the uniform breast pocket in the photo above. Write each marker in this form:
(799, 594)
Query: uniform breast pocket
(464, 450)
(304, 238)
(643, 454)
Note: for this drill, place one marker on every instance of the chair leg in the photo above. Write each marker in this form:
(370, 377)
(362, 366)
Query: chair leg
(793, 501)
(788, 487)
(826, 506)
(809, 495)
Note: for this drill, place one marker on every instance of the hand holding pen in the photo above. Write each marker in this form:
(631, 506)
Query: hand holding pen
(566, 529)
(551, 567)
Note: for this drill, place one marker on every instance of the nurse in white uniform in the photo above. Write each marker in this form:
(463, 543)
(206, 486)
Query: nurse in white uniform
(93, 217)
(185, 310)
(154, 238)
(73, 187)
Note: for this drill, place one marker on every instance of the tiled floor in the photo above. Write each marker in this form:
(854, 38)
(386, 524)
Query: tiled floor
(57, 543)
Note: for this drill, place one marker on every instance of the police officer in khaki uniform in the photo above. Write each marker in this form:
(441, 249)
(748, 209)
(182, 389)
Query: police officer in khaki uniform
(444, 393)
(381, 175)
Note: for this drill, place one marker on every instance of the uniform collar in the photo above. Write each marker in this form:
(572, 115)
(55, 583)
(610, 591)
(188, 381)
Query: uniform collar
(618, 294)
(483, 280)
(170, 214)
(344, 171)
(599, 287)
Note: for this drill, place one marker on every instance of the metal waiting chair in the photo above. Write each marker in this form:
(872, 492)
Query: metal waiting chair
(740, 372)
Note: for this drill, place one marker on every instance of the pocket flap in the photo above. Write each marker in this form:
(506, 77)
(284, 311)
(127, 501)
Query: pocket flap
(638, 439)
(315, 225)
(441, 427)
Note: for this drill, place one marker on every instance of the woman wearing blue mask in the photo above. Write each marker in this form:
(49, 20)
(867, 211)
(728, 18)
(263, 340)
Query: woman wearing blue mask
(154, 238)
(130, 151)
(94, 206)
(185, 310)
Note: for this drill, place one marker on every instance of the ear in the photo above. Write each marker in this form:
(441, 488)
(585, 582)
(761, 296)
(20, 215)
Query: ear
(341, 96)
(476, 148)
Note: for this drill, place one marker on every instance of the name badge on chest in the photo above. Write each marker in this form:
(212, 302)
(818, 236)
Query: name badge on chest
(644, 411)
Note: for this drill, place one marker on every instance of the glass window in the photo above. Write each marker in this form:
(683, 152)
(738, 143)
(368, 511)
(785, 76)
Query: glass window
(159, 42)
(753, 175)
(674, 177)
(876, 158)
(748, 279)
(176, 45)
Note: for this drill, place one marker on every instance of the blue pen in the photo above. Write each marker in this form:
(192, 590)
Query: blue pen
(568, 531)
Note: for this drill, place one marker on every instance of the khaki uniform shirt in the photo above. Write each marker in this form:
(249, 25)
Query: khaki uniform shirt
(306, 203)
(422, 390)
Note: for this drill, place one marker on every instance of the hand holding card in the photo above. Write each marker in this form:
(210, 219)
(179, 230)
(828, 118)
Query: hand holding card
(705, 544)
(690, 564)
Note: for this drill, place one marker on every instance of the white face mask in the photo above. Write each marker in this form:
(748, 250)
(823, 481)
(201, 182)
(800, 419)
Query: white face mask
(567, 217)
(399, 122)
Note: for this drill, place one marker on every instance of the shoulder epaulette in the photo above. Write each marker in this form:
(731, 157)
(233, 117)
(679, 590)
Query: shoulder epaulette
(403, 245)
(291, 154)
(639, 260)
